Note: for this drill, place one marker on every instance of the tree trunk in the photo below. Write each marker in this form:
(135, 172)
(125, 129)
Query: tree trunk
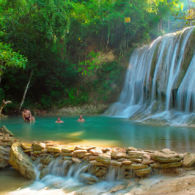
(25, 91)
(3, 104)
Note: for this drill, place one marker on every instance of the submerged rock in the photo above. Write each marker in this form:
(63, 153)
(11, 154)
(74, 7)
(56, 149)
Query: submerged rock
(5, 131)
(21, 162)
(89, 179)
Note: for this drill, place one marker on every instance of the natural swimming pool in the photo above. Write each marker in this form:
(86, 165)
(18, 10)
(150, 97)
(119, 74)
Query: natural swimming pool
(106, 131)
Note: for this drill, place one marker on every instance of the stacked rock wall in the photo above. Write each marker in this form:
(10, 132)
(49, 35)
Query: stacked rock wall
(96, 161)
(130, 161)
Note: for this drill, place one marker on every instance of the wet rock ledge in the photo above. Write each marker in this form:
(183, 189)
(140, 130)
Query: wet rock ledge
(30, 158)
(6, 140)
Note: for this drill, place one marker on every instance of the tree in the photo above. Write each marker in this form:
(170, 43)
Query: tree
(9, 58)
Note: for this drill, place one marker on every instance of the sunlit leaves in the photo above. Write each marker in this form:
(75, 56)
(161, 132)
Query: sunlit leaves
(9, 58)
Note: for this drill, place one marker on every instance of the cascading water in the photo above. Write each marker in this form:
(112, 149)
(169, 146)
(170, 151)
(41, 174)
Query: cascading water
(160, 81)
(63, 177)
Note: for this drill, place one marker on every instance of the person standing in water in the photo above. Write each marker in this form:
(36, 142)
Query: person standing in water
(59, 120)
(27, 116)
(81, 119)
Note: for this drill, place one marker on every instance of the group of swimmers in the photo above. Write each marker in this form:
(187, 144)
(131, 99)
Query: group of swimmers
(80, 119)
(28, 117)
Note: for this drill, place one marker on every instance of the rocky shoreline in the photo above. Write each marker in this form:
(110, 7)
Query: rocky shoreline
(131, 162)
(87, 109)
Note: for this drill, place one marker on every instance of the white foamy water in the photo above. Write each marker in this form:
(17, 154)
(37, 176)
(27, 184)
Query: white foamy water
(65, 178)
(159, 82)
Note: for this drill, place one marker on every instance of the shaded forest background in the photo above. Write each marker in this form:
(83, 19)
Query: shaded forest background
(73, 52)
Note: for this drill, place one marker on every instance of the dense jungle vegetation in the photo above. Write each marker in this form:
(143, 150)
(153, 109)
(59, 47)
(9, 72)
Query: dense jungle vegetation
(72, 52)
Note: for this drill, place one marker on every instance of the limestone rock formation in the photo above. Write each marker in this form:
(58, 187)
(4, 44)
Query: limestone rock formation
(6, 140)
(21, 162)
(143, 172)
(4, 156)
(189, 160)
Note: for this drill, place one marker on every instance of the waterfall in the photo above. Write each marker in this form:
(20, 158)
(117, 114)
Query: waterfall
(65, 177)
(160, 80)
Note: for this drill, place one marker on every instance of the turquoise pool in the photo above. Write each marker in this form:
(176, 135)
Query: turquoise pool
(104, 130)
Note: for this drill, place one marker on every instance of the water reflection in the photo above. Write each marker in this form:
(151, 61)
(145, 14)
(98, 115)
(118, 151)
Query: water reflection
(122, 132)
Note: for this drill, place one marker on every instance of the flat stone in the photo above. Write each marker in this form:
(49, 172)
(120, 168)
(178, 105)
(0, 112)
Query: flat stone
(138, 166)
(68, 149)
(96, 151)
(117, 155)
(147, 161)
(166, 165)
(137, 160)
(26, 146)
(76, 160)
(136, 154)
(28, 151)
(38, 146)
(131, 149)
(126, 162)
(96, 163)
(53, 149)
(189, 160)
(115, 163)
(104, 158)
(84, 148)
(79, 153)
(143, 172)
(165, 157)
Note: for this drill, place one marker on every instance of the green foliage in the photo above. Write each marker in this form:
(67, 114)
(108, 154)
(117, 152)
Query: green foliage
(89, 66)
(9, 58)
(63, 39)
(76, 97)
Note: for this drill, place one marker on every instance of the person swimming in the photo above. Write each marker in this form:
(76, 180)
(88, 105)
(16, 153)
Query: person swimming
(27, 116)
(81, 119)
(59, 120)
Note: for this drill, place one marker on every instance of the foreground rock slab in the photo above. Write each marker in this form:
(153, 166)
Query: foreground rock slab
(6, 140)
(21, 161)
